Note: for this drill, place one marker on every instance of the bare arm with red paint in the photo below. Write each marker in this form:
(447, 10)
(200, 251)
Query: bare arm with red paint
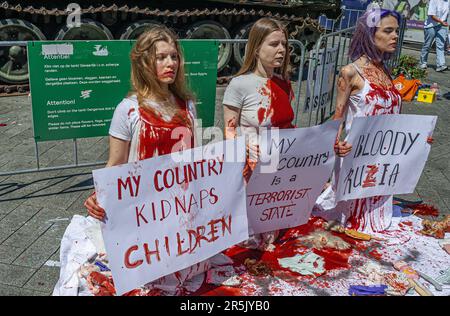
(231, 119)
(118, 154)
(345, 87)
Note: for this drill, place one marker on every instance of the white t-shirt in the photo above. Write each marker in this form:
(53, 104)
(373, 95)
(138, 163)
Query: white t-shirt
(125, 119)
(126, 122)
(438, 8)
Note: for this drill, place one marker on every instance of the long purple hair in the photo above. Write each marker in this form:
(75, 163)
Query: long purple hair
(363, 42)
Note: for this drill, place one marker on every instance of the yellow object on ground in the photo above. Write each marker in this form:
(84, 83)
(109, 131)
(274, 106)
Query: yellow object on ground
(426, 95)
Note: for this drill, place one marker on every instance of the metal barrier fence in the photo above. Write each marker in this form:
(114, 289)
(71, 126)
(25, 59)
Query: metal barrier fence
(295, 43)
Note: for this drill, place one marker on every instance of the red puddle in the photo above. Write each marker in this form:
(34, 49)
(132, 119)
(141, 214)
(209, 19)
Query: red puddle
(287, 246)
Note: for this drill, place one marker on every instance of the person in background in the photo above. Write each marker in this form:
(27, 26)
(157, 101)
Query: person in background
(404, 8)
(448, 37)
(435, 27)
(365, 88)
(259, 96)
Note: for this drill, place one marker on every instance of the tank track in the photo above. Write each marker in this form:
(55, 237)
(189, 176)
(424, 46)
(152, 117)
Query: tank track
(154, 12)
(168, 16)
(14, 89)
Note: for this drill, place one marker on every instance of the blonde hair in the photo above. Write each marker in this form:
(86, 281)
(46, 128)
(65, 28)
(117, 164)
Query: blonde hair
(258, 33)
(144, 80)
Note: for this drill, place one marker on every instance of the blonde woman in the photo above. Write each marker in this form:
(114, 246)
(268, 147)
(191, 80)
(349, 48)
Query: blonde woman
(143, 122)
(260, 95)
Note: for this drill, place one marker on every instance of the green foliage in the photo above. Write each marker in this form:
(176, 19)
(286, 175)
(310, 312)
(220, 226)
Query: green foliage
(409, 67)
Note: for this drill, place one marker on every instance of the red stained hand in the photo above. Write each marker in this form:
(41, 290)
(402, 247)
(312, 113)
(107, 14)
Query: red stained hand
(93, 208)
(342, 148)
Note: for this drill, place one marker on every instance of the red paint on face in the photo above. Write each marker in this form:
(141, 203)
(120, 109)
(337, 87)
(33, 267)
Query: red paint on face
(279, 110)
(155, 136)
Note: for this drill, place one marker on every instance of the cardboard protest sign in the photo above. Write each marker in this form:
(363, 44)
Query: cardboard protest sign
(388, 155)
(295, 164)
(322, 78)
(166, 213)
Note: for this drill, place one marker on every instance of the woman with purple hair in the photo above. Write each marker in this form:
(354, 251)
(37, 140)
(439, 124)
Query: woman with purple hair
(365, 88)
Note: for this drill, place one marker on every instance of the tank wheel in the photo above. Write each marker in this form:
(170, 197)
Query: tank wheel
(308, 32)
(212, 30)
(239, 49)
(133, 31)
(13, 59)
(88, 30)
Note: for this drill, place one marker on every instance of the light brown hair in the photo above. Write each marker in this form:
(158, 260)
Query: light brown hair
(144, 80)
(259, 31)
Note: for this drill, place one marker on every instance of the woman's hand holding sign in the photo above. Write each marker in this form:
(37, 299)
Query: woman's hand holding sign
(93, 207)
(342, 148)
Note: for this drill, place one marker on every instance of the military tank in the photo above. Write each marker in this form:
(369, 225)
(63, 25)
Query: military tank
(22, 20)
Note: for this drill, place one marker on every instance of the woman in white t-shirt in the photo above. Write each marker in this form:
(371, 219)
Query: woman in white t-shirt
(260, 95)
(143, 122)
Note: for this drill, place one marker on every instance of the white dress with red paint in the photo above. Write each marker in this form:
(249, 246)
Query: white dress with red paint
(372, 214)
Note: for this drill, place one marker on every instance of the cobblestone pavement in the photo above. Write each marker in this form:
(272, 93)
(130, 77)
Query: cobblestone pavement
(35, 208)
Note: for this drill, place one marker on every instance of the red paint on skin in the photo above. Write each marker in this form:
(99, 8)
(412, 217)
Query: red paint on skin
(279, 110)
(155, 134)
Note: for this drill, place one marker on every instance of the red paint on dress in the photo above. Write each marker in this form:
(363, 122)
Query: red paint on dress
(279, 111)
(155, 135)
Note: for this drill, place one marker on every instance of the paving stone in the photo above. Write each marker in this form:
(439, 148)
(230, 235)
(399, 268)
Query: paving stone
(5, 234)
(7, 206)
(15, 275)
(27, 234)
(18, 217)
(44, 280)
(8, 254)
(43, 248)
(8, 290)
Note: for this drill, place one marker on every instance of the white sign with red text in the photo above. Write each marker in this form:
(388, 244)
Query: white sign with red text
(294, 166)
(163, 216)
(388, 155)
